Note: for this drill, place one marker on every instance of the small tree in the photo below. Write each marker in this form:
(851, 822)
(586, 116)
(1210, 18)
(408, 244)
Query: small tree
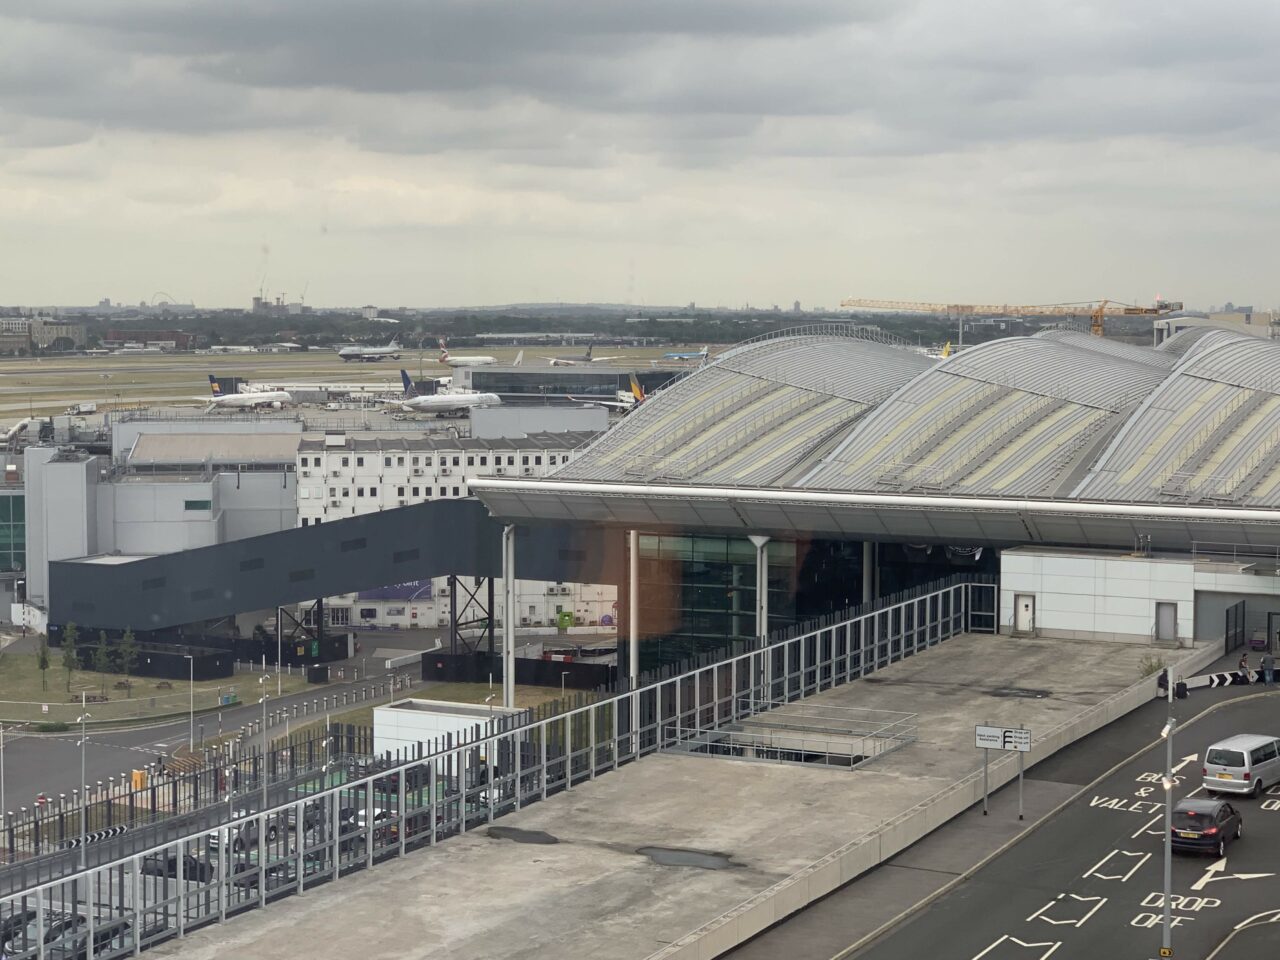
(42, 660)
(102, 659)
(70, 658)
(128, 652)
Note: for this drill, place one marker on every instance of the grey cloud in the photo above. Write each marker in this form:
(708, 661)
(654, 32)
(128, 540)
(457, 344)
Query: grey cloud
(565, 82)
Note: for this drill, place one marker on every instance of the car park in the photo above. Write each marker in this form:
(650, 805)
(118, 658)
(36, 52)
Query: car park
(1205, 826)
(1246, 763)
(113, 937)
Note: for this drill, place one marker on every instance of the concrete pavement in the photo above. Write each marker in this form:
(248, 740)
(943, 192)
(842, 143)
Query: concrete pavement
(626, 865)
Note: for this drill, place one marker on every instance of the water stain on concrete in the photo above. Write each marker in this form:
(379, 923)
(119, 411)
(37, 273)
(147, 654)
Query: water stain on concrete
(522, 836)
(1025, 693)
(678, 857)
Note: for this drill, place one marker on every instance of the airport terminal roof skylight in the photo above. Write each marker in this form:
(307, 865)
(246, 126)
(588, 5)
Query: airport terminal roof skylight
(1061, 415)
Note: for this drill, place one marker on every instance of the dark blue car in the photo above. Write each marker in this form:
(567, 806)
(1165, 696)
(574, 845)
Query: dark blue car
(1205, 826)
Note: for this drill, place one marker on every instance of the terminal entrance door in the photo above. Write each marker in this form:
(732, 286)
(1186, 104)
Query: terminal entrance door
(1166, 622)
(1024, 612)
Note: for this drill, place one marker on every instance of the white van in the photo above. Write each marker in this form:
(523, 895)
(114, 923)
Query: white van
(1245, 763)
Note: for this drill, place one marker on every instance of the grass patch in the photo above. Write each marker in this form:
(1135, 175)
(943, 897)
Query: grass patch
(23, 698)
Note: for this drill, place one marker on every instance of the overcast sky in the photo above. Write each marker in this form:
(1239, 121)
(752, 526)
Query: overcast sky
(440, 152)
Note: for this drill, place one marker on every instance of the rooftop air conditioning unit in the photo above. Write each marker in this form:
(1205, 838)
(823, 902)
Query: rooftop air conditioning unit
(444, 471)
(335, 473)
(499, 471)
(417, 471)
(527, 471)
(403, 502)
(306, 473)
(524, 621)
(335, 503)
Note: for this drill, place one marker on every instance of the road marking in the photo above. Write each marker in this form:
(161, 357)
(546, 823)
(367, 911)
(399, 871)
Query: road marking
(1075, 923)
(1220, 866)
(1008, 939)
(1122, 877)
(1190, 758)
(1273, 916)
(1146, 828)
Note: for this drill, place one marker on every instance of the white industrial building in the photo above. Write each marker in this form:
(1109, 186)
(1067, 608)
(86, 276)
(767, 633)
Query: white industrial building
(347, 474)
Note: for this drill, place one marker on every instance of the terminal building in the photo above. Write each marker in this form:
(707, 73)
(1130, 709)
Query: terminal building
(1118, 492)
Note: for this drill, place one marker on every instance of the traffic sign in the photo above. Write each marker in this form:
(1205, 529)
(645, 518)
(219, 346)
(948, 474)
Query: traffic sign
(1002, 738)
(1166, 951)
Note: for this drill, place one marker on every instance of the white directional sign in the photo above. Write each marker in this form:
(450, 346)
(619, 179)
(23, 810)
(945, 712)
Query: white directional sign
(1003, 738)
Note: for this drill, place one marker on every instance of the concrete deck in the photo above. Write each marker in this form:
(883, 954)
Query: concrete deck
(594, 887)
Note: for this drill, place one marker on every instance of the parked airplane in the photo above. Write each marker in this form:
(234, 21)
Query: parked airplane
(473, 361)
(258, 398)
(700, 355)
(575, 360)
(625, 402)
(446, 403)
(370, 354)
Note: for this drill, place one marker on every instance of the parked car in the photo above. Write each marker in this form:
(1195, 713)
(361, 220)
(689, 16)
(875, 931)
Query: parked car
(56, 925)
(278, 875)
(13, 923)
(1205, 826)
(165, 864)
(1245, 763)
(109, 936)
(246, 835)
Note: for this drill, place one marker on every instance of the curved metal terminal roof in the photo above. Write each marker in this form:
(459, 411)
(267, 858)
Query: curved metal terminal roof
(1061, 418)
(1210, 433)
(754, 413)
(1005, 418)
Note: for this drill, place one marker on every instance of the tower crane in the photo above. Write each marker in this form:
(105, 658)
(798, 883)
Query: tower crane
(1096, 310)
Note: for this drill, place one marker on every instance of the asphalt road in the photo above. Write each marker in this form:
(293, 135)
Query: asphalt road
(1088, 883)
(51, 764)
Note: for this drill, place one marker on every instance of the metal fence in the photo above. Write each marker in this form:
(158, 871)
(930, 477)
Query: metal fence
(220, 862)
(34, 838)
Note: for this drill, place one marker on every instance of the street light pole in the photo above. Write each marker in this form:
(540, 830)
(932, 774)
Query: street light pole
(191, 715)
(563, 674)
(1166, 934)
(84, 788)
(279, 648)
(262, 683)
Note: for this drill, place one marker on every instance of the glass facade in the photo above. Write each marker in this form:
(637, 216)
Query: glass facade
(13, 532)
(556, 381)
(699, 593)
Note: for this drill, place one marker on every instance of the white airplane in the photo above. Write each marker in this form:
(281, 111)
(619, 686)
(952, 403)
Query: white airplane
(370, 354)
(700, 355)
(574, 361)
(446, 403)
(472, 361)
(258, 398)
(625, 402)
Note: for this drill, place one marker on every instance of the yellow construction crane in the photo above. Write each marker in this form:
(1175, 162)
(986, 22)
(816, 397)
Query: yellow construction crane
(1096, 310)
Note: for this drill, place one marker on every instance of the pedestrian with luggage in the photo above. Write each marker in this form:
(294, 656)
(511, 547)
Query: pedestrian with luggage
(1268, 668)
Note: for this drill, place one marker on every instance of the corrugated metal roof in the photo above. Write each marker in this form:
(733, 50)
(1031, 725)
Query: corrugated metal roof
(755, 412)
(568, 440)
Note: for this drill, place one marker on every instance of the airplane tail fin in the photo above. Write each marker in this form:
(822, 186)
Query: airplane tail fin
(590, 347)
(214, 387)
(444, 351)
(519, 359)
(409, 391)
(946, 351)
(637, 391)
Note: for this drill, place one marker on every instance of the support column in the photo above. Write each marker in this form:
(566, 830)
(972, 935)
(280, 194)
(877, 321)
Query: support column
(509, 616)
(633, 607)
(868, 570)
(633, 634)
(761, 544)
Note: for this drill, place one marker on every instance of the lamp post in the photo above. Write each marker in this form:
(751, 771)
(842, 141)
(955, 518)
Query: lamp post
(279, 649)
(1166, 934)
(191, 713)
(262, 683)
(563, 674)
(84, 788)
